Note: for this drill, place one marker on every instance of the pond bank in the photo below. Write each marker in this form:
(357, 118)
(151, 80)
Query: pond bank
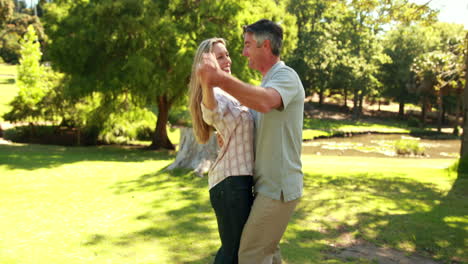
(379, 145)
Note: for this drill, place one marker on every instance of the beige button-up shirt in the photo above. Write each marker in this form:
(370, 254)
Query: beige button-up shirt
(235, 124)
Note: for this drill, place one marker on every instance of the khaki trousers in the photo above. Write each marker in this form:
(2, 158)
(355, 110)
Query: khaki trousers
(263, 230)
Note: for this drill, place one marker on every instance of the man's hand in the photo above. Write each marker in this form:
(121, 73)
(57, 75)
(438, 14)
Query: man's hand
(208, 70)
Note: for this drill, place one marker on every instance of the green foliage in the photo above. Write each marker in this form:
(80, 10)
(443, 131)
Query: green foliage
(403, 44)
(6, 11)
(340, 45)
(126, 126)
(408, 147)
(180, 116)
(414, 122)
(461, 166)
(13, 27)
(10, 49)
(147, 53)
(25, 106)
(442, 66)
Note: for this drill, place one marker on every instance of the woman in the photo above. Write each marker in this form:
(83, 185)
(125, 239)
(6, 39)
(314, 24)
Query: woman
(230, 176)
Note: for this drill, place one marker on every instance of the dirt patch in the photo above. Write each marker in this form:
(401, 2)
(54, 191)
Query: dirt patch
(380, 255)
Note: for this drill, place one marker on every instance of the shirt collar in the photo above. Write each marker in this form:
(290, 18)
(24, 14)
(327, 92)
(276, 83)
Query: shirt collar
(272, 70)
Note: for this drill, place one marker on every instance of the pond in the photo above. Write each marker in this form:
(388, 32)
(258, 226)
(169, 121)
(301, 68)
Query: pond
(380, 145)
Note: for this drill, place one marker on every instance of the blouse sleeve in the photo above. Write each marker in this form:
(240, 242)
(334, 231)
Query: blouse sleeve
(224, 116)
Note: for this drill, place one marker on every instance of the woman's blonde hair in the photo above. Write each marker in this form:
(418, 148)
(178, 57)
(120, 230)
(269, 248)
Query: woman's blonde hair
(201, 129)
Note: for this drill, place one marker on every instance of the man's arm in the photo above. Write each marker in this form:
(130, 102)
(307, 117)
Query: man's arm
(255, 97)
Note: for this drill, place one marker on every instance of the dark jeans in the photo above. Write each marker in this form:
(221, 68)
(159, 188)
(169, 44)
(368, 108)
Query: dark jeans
(231, 200)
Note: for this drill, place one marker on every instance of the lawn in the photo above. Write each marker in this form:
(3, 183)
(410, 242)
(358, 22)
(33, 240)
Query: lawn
(118, 205)
(8, 88)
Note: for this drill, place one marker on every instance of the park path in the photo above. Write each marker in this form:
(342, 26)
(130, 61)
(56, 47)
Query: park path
(381, 255)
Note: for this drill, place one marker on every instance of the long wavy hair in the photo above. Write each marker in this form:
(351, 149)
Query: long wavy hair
(201, 129)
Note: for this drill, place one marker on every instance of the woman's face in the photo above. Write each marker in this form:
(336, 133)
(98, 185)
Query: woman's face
(222, 56)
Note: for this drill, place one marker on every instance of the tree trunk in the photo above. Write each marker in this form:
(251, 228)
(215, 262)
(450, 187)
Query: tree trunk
(444, 113)
(356, 113)
(361, 103)
(458, 109)
(439, 112)
(345, 91)
(424, 108)
(192, 155)
(401, 109)
(464, 145)
(321, 96)
(160, 138)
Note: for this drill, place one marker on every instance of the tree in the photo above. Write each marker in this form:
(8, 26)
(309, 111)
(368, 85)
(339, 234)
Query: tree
(144, 53)
(6, 11)
(25, 106)
(13, 26)
(340, 44)
(403, 45)
(464, 145)
(439, 71)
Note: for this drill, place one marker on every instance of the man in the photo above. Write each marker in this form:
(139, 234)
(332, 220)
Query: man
(279, 106)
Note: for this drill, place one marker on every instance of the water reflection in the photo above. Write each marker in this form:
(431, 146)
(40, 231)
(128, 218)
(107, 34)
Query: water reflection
(380, 145)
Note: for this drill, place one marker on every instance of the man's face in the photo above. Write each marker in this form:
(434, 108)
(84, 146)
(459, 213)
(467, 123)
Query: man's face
(251, 51)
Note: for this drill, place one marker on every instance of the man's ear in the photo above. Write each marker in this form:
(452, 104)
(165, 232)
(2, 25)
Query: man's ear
(267, 44)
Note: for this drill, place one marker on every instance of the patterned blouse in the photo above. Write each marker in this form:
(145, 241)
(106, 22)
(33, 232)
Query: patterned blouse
(235, 124)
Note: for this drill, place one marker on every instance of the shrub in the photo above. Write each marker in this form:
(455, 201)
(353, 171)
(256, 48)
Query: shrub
(462, 167)
(414, 122)
(408, 146)
(46, 135)
(125, 126)
(180, 116)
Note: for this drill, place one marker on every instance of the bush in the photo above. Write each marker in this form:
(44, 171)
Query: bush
(462, 167)
(53, 135)
(126, 126)
(414, 122)
(408, 147)
(180, 116)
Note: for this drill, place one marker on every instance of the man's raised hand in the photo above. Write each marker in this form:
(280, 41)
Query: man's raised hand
(208, 69)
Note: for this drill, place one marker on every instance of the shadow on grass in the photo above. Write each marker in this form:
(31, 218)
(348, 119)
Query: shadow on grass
(32, 156)
(180, 218)
(7, 80)
(434, 224)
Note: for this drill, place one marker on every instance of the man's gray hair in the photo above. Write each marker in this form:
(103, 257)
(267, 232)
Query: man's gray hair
(266, 29)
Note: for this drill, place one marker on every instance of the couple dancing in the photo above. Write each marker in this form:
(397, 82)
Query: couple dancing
(261, 132)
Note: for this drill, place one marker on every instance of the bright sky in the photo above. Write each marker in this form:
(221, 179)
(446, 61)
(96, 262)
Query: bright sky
(452, 11)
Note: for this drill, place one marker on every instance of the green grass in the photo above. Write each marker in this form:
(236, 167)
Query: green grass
(328, 127)
(116, 205)
(8, 88)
